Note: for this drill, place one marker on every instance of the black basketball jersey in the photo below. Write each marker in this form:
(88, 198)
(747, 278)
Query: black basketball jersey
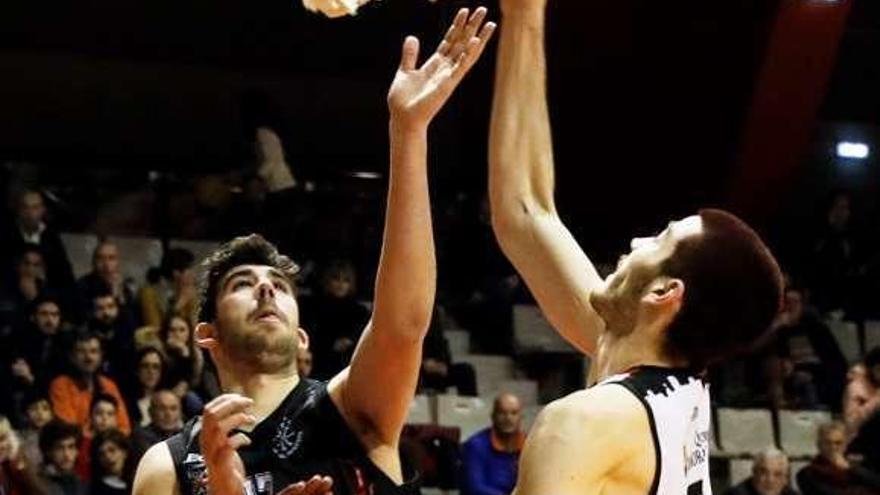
(306, 435)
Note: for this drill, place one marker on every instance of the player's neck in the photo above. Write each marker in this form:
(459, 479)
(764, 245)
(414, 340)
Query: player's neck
(267, 390)
(617, 354)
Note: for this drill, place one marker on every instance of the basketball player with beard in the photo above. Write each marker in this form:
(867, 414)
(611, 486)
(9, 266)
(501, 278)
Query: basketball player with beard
(273, 432)
(705, 287)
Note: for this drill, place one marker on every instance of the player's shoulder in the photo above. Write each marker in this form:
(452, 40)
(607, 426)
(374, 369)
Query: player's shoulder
(155, 472)
(610, 402)
(607, 411)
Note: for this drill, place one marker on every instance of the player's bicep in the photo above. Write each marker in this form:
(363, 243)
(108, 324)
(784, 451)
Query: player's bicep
(155, 473)
(559, 275)
(376, 390)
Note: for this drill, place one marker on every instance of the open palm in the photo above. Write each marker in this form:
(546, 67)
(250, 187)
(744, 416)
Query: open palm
(417, 94)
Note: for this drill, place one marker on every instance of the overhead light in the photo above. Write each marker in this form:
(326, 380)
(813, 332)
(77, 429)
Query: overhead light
(857, 151)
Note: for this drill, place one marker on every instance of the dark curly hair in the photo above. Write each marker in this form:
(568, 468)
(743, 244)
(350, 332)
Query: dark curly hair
(248, 250)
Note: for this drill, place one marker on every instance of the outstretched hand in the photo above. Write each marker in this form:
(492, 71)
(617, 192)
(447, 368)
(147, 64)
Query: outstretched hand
(418, 93)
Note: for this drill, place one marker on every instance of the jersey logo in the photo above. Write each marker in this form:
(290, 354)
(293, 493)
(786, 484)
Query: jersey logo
(287, 439)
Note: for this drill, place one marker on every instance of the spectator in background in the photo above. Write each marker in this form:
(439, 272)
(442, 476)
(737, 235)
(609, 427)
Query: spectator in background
(770, 476)
(805, 368)
(59, 442)
(861, 399)
(72, 393)
(115, 330)
(102, 418)
(113, 460)
(438, 370)
(184, 362)
(485, 287)
(107, 277)
(867, 437)
(26, 284)
(31, 229)
(833, 264)
(17, 474)
(334, 318)
(33, 355)
(831, 472)
(174, 292)
(148, 377)
(166, 419)
(304, 363)
(489, 458)
(38, 412)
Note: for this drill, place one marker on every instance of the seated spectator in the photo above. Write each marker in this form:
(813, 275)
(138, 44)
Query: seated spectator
(867, 437)
(806, 369)
(334, 319)
(107, 277)
(184, 362)
(38, 411)
(489, 458)
(17, 473)
(31, 229)
(102, 418)
(113, 462)
(770, 476)
(438, 371)
(174, 292)
(59, 442)
(20, 289)
(34, 355)
(304, 363)
(861, 399)
(831, 471)
(72, 393)
(115, 331)
(148, 378)
(165, 420)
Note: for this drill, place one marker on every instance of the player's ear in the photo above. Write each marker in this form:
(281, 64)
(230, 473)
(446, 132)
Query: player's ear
(206, 335)
(665, 292)
(303, 338)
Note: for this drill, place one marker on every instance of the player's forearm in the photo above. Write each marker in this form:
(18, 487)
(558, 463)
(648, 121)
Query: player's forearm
(520, 143)
(406, 279)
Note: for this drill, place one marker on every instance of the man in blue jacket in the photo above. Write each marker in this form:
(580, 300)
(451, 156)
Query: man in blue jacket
(489, 458)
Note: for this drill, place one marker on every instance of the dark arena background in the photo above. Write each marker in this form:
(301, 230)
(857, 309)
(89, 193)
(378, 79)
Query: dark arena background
(132, 127)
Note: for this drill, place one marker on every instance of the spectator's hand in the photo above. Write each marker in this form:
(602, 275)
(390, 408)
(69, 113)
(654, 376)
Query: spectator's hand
(840, 461)
(435, 367)
(318, 485)
(30, 287)
(180, 389)
(342, 344)
(21, 369)
(226, 413)
(418, 93)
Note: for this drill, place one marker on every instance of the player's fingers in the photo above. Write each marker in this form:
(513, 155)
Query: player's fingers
(238, 441)
(231, 404)
(454, 32)
(410, 54)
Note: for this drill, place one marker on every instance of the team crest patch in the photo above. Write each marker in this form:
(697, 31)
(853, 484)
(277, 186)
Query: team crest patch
(287, 439)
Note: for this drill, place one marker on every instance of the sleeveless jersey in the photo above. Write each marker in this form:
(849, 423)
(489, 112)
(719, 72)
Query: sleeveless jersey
(677, 402)
(306, 435)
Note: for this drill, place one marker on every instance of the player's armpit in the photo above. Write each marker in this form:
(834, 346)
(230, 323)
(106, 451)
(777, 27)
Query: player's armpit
(155, 473)
(593, 442)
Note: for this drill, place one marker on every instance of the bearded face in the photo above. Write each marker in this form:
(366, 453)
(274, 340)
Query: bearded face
(258, 319)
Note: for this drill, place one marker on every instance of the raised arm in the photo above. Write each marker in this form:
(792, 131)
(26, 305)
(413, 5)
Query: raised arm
(524, 216)
(376, 390)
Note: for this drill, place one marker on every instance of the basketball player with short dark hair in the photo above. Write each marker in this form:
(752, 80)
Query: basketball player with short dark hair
(272, 432)
(703, 288)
